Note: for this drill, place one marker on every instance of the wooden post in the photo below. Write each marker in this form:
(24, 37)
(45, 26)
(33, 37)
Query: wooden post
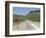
(18, 20)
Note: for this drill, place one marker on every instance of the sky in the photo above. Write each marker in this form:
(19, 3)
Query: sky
(22, 10)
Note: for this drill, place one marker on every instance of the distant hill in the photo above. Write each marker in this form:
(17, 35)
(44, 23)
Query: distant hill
(35, 11)
(34, 15)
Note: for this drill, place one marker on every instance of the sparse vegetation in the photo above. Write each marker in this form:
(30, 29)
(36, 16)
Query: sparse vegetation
(33, 15)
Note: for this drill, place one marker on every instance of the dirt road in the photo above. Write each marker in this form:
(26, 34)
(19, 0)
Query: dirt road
(27, 25)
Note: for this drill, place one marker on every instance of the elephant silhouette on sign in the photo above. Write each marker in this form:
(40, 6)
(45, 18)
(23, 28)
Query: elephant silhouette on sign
(18, 18)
